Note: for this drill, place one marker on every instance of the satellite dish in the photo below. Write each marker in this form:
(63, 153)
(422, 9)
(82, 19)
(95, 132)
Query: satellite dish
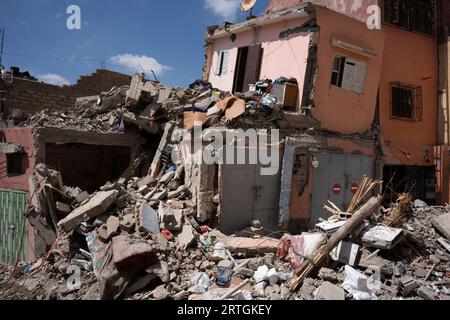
(247, 5)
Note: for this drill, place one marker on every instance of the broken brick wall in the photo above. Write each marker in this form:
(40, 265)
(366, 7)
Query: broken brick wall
(355, 9)
(23, 137)
(32, 96)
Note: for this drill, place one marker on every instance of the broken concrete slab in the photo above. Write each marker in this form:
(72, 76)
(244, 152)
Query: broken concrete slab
(186, 237)
(166, 178)
(330, 292)
(150, 195)
(381, 237)
(442, 224)
(81, 197)
(251, 246)
(128, 223)
(149, 220)
(172, 218)
(95, 207)
(159, 196)
(132, 254)
(166, 138)
(146, 181)
(112, 226)
(177, 193)
(160, 293)
(143, 190)
(164, 94)
(161, 270)
(44, 234)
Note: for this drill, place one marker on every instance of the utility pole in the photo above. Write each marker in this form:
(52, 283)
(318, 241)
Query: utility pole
(2, 32)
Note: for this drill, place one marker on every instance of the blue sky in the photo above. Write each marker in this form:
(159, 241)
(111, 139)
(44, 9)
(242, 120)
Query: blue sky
(164, 35)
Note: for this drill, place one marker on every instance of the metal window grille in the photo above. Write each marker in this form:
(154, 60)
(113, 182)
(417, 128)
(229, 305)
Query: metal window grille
(406, 102)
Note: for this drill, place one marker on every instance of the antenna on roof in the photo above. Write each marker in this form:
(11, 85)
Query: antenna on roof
(247, 5)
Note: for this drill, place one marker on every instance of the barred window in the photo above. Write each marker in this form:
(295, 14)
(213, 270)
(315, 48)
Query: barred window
(414, 15)
(406, 102)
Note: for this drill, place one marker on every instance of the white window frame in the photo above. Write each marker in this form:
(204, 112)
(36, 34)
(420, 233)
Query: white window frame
(222, 63)
(353, 75)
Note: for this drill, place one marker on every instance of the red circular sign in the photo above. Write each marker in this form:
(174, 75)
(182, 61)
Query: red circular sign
(337, 189)
(354, 188)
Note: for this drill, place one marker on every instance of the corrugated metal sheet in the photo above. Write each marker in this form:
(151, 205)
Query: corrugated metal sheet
(13, 205)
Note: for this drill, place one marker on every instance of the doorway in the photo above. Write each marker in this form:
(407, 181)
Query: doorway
(248, 67)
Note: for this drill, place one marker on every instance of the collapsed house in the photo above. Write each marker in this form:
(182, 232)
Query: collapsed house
(220, 230)
(356, 95)
(158, 235)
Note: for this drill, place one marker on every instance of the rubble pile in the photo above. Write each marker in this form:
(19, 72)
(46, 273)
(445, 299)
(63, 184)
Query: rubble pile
(156, 237)
(410, 262)
(121, 243)
(148, 103)
(124, 243)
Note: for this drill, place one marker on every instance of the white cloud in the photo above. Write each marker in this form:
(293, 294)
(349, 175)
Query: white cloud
(55, 79)
(135, 63)
(225, 9)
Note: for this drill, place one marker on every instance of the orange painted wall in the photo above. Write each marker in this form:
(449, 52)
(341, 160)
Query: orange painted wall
(339, 109)
(413, 59)
(301, 203)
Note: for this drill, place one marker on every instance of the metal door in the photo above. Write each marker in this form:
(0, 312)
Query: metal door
(247, 195)
(335, 180)
(13, 205)
(267, 199)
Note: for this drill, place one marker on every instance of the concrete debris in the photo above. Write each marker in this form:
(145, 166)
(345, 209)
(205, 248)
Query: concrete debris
(131, 254)
(358, 285)
(330, 292)
(96, 206)
(252, 247)
(152, 233)
(381, 237)
(347, 253)
(442, 224)
(186, 237)
(149, 220)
